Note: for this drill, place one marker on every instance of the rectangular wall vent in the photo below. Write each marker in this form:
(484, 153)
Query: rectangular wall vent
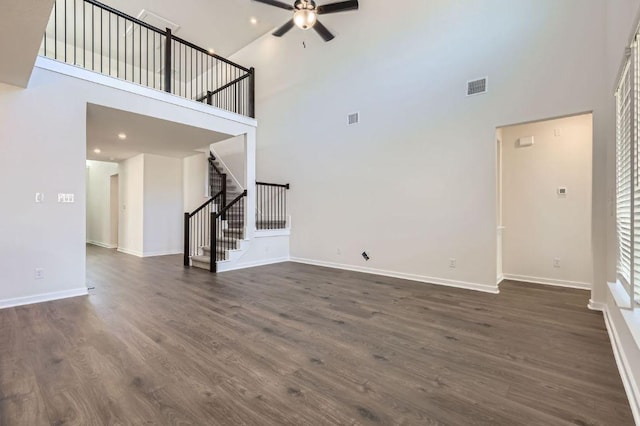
(353, 118)
(477, 87)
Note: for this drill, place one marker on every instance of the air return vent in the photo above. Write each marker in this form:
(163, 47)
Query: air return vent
(477, 87)
(353, 118)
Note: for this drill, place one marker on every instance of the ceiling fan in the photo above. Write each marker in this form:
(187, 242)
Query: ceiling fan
(305, 15)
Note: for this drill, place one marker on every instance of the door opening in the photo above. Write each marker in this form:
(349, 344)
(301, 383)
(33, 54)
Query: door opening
(543, 214)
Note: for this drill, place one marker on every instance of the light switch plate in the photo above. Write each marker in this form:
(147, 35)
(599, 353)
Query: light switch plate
(66, 198)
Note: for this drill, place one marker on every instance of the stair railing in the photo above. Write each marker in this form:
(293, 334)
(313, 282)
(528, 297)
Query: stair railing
(197, 227)
(97, 37)
(217, 180)
(225, 225)
(271, 205)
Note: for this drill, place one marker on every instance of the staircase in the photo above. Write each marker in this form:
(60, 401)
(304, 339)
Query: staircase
(230, 226)
(215, 233)
(232, 237)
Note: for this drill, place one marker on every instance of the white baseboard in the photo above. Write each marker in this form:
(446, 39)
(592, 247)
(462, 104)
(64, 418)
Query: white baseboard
(148, 254)
(596, 306)
(548, 281)
(162, 253)
(103, 245)
(624, 368)
(411, 277)
(46, 297)
(131, 252)
(222, 268)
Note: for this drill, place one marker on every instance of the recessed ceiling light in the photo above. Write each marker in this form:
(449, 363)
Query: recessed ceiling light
(97, 151)
(122, 136)
(253, 20)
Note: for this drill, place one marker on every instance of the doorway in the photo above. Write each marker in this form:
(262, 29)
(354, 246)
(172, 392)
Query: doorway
(543, 193)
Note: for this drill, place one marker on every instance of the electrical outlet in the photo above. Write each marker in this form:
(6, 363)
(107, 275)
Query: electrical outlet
(365, 256)
(39, 274)
(453, 263)
(39, 197)
(556, 262)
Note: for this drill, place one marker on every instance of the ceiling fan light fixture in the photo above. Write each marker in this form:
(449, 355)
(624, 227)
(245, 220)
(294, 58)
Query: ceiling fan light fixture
(305, 18)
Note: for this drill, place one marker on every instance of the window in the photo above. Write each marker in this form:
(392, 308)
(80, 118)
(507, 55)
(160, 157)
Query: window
(628, 175)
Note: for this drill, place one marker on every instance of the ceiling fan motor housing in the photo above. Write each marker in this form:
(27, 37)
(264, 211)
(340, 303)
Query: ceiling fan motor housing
(305, 4)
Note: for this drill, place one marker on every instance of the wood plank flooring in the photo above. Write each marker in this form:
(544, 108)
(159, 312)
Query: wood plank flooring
(293, 344)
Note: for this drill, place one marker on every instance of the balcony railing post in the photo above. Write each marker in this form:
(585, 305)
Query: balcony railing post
(252, 92)
(167, 62)
(224, 195)
(213, 243)
(187, 243)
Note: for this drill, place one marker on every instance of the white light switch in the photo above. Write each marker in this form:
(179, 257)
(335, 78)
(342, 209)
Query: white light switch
(66, 198)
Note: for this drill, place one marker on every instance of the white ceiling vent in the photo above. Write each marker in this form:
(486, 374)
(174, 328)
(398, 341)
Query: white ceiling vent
(477, 87)
(156, 21)
(353, 118)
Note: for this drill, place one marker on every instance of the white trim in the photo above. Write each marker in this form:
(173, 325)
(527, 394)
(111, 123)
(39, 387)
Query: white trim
(596, 306)
(45, 297)
(161, 253)
(624, 368)
(499, 279)
(411, 277)
(221, 267)
(148, 254)
(99, 244)
(265, 233)
(131, 252)
(548, 281)
(105, 80)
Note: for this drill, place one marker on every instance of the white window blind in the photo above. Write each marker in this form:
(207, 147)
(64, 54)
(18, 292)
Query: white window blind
(624, 209)
(635, 175)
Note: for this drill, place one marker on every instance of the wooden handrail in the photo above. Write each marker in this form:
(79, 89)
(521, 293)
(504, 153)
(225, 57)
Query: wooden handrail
(205, 204)
(277, 185)
(231, 204)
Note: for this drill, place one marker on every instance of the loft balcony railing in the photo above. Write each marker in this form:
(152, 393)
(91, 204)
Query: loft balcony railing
(94, 36)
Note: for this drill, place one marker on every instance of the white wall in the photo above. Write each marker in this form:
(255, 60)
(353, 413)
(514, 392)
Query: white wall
(231, 153)
(131, 221)
(99, 202)
(541, 225)
(50, 157)
(163, 205)
(194, 181)
(414, 183)
(41, 152)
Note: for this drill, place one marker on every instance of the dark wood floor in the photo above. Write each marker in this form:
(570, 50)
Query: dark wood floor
(295, 344)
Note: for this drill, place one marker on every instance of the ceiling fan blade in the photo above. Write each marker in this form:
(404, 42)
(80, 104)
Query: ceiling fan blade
(341, 6)
(284, 29)
(323, 31)
(276, 3)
